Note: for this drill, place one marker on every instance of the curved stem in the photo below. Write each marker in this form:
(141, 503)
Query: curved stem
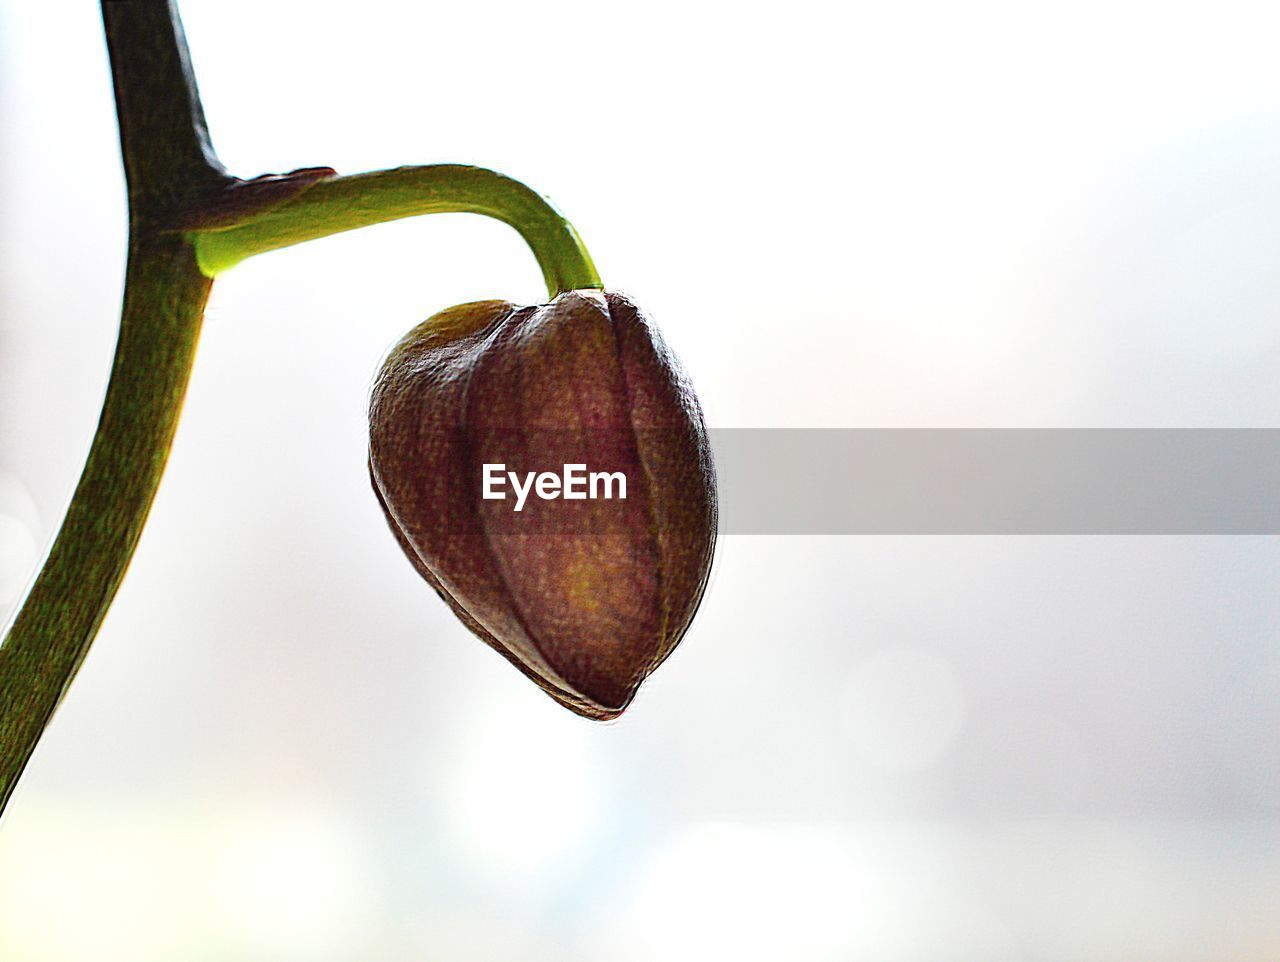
(168, 162)
(178, 192)
(346, 203)
(49, 638)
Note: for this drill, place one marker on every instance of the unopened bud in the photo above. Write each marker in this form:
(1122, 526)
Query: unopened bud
(547, 471)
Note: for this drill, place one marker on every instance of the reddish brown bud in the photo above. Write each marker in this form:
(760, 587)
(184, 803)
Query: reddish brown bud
(586, 595)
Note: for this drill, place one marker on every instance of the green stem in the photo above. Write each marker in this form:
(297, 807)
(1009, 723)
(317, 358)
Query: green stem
(164, 142)
(346, 203)
(168, 165)
(164, 302)
(189, 220)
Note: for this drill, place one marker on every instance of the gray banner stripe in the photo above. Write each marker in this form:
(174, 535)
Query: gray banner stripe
(999, 481)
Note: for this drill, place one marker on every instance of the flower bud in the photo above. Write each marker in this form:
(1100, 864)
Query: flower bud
(547, 471)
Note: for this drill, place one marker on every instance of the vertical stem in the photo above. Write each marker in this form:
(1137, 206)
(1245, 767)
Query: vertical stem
(167, 161)
(163, 137)
(164, 300)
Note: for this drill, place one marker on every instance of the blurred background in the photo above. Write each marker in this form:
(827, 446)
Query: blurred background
(896, 749)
